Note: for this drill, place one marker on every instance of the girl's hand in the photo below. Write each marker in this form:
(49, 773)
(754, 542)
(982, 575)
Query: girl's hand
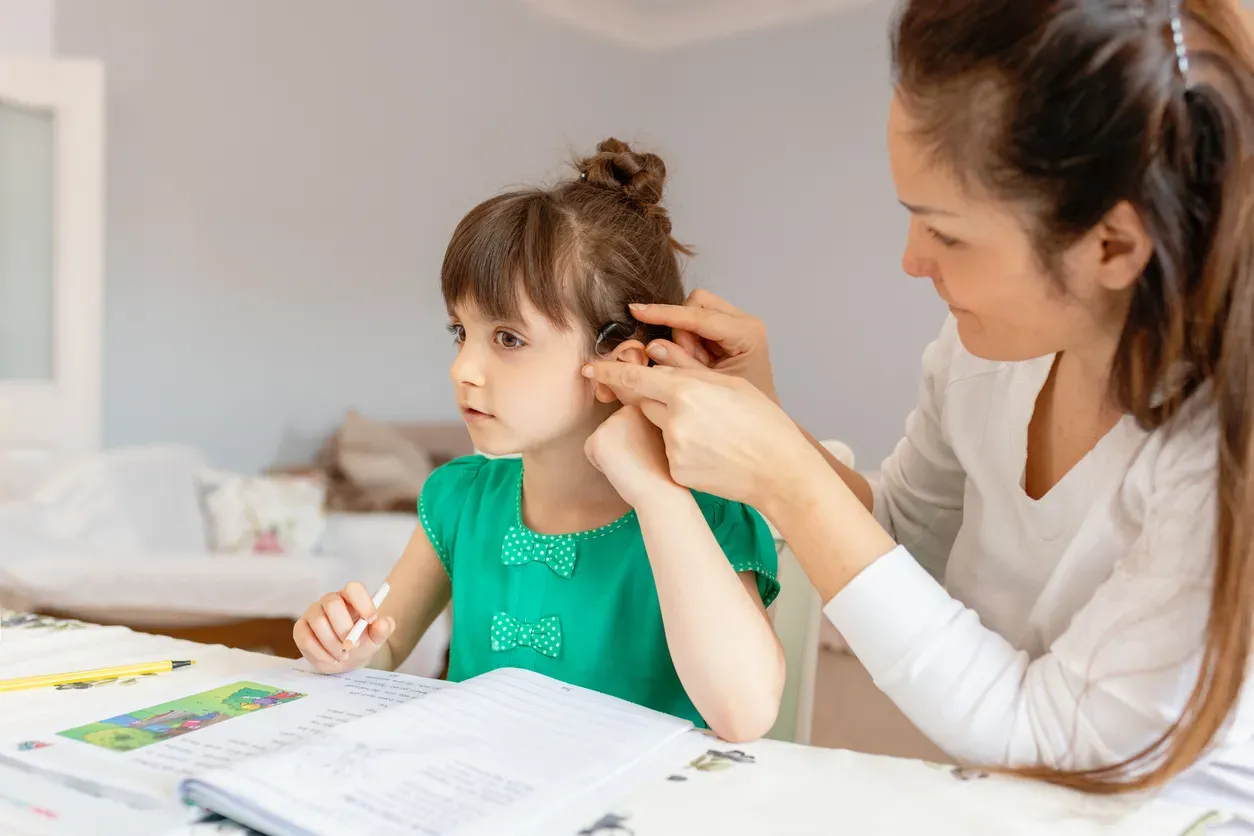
(629, 451)
(723, 435)
(716, 334)
(321, 631)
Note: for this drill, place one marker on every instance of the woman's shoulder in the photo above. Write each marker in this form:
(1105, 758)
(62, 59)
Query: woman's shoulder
(1184, 450)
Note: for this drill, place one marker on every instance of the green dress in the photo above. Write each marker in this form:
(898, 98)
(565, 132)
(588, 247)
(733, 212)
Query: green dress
(581, 607)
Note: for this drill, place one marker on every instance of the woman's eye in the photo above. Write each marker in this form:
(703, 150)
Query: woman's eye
(458, 332)
(507, 340)
(945, 240)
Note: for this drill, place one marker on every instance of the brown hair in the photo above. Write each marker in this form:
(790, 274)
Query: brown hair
(1067, 108)
(588, 247)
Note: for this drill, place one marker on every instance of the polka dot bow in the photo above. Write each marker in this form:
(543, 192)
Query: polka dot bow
(545, 636)
(524, 546)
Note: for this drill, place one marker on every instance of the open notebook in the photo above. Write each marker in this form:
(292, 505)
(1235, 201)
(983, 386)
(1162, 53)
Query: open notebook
(494, 754)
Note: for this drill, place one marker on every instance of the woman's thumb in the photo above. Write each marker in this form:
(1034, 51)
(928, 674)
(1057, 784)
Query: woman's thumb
(667, 353)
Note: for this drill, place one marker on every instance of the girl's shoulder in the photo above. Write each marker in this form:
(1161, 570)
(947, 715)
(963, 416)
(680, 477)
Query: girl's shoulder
(475, 475)
(736, 525)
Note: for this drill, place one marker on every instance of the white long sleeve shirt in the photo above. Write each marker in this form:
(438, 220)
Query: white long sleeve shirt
(1068, 629)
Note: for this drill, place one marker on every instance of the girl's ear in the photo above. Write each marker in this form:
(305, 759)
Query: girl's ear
(629, 351)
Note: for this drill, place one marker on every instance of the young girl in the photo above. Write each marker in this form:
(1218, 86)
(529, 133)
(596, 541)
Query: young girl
(581, 559)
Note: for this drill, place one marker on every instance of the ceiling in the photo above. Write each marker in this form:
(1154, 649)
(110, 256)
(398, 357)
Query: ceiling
(665, 24)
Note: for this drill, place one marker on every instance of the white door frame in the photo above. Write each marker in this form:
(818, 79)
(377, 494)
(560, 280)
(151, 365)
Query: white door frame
(64, 415)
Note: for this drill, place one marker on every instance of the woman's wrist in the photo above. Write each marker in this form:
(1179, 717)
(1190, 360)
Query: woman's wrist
(827, 526)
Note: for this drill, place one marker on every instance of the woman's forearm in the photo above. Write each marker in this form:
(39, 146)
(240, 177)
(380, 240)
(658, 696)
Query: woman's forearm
(856, 481)
(825, 523)
(720, 638)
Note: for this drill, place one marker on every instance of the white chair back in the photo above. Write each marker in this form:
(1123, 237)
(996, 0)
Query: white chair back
(798, 614)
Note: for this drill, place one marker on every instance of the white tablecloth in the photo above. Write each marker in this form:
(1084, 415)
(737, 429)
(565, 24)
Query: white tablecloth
(700, 785)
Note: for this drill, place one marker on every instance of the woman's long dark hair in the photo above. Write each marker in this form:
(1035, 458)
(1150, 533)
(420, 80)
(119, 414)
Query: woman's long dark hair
(1068, 108)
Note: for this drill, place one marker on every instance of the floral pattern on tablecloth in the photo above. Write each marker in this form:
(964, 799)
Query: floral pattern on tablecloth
(11, 620)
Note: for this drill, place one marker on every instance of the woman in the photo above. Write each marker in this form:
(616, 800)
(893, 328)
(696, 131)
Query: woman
(1077, 472)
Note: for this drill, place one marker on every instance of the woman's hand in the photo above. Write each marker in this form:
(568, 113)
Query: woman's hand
(717, 334)
(629, 451)
(322, 631)
(723, 435)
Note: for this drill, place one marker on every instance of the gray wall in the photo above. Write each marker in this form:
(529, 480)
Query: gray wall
(777, 143)
(282, 180)
(283, 177)
(26, 27)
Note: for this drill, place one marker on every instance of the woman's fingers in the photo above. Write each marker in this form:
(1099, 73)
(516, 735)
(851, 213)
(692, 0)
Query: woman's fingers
(666, 353)
(702, 298)
(631, 382)
(736, 333)
(657, 413)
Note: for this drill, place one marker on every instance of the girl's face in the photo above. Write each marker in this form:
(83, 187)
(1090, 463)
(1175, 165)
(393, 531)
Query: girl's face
(518, 384)
(979, 257)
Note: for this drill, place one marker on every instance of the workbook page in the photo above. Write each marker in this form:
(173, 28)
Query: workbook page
(147, 741)
(486, 756)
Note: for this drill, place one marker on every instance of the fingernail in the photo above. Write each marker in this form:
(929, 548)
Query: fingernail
(373, 619)
(637, 306)
(656, 351)
(587, 371)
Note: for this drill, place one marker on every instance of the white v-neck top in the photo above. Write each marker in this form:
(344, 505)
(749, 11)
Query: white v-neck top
(1068, 629)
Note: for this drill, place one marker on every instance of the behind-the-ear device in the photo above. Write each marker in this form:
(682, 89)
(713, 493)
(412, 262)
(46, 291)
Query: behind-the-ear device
(611, 335)
(616, 332)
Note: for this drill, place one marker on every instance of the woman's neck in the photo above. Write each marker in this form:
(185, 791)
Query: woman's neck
(564, 493)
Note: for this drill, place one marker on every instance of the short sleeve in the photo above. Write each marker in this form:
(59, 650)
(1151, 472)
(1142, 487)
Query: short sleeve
(443, 498)
(748, 544)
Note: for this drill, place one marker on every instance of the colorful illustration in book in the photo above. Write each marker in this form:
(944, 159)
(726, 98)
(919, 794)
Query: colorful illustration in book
(146, 726)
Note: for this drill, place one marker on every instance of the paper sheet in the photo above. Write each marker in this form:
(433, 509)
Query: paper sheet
(149, 746)
(504, 748)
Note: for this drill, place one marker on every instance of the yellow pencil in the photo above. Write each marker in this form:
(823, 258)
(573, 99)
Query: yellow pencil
(90, 676)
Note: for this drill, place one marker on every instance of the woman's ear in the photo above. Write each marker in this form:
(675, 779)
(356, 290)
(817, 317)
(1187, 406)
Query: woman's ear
(1126, 248)
(629, 351)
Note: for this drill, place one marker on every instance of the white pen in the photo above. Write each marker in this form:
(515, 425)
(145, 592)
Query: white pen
(360, 627)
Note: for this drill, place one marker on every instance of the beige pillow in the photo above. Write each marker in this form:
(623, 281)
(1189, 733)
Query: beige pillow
(381, 464)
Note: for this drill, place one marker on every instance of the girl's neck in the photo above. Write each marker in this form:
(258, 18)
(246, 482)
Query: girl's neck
(564, 493)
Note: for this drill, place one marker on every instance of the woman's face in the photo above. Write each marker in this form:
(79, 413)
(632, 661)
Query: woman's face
(978, 255)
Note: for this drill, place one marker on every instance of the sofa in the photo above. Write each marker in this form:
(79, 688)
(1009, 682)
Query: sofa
(122, 538)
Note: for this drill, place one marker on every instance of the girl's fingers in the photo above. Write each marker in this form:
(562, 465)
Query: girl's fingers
(360, 601)
(310, 646)
(336, 612)
(331, 643)
(379, 632)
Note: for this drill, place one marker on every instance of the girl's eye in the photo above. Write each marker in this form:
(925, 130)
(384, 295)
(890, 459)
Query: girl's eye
(507, 340)
(944, 240)
(458, 332)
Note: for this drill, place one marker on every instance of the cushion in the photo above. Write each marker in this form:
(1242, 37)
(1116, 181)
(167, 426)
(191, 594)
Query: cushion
(263, 514)
(374, 466)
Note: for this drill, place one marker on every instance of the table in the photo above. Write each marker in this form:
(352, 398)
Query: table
(699, 785)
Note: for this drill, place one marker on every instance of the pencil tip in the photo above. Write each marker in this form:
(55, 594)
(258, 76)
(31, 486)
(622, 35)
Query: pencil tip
(182, 664)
